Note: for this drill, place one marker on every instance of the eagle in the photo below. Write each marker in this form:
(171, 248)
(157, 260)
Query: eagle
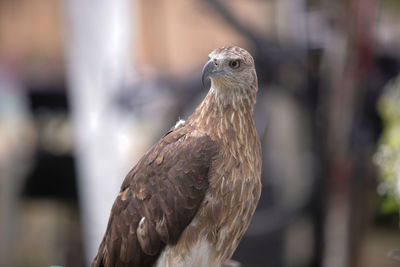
(190, 198)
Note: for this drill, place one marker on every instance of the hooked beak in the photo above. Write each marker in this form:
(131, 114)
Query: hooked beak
(208, 69)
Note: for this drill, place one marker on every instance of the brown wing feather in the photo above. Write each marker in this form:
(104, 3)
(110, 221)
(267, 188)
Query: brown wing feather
(158, 199)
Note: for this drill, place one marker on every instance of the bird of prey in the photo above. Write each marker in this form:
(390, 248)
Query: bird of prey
(190, 198)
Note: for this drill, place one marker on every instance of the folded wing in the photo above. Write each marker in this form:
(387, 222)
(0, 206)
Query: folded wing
(158, 199)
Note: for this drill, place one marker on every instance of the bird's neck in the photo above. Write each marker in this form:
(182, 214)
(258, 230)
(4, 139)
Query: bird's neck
(221, 115)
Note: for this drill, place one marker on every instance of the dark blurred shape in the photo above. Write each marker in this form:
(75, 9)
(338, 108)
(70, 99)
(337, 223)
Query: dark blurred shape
(49, 192)
(52, 176)
(53, 172)
(48, 99)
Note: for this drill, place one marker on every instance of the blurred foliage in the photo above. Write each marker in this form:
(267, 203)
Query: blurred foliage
(388, 153)
(390, 7)
(391, 3)
(389, 204)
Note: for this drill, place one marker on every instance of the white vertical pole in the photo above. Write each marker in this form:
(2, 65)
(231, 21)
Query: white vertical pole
(98, 48)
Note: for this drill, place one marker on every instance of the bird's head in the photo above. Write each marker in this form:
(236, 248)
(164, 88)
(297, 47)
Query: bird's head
(231, 71)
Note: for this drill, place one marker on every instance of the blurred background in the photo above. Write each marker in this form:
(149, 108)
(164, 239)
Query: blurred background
(86, 87)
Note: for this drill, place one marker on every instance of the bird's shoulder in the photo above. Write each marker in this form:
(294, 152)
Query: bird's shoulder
(182, 149)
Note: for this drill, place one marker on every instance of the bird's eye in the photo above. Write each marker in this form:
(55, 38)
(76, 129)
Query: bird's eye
(234, 64)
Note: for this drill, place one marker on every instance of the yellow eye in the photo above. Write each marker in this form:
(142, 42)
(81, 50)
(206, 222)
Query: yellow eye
(234, 64)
